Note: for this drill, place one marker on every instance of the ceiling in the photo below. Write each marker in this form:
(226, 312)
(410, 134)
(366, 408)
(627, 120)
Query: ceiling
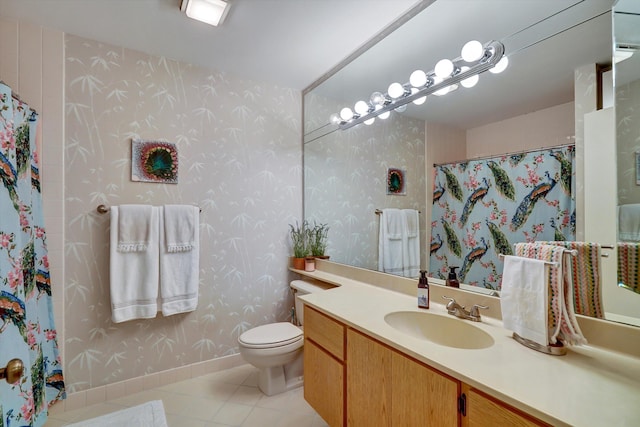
(287, 42)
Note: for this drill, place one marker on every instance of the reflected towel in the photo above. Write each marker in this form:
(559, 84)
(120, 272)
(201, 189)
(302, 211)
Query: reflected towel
(134, 275)
(412, 264)
(628, 264)
(134, 228)
(390, 242)
(149, 414)
(629, 222)
(523, 299)
(179, 269)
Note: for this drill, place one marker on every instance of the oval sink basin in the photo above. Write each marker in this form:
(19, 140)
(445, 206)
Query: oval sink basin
(439, 329)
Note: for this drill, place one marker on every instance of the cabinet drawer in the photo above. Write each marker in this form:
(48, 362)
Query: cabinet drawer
(324, 331)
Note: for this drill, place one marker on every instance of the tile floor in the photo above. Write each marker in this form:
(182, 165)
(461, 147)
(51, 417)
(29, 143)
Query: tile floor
(225, 398)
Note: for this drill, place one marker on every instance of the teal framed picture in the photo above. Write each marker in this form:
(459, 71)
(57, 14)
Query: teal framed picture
(154, 161)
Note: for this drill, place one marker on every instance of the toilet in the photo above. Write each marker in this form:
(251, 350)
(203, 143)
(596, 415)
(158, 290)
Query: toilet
(276, 348)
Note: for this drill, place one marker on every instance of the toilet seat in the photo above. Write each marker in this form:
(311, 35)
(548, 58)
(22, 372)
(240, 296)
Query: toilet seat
(272, 335)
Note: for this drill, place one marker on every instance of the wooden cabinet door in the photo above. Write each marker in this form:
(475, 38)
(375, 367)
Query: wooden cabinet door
(421, 396)
(484, 411)
(368, 382)
(324, 383)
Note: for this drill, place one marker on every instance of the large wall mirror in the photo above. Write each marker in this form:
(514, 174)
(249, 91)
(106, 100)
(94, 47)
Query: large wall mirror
(555, 50)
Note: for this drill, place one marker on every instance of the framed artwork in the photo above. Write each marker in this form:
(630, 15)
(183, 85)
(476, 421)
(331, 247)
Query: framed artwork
(396, 182)
(154, 161)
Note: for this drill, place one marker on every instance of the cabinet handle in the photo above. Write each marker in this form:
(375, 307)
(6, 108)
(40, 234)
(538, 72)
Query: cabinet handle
(462, 404)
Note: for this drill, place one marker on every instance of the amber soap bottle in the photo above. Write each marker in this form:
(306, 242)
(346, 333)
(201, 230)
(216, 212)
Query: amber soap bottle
(423, 290)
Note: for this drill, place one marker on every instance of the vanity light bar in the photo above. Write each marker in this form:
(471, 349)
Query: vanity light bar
(493, 53)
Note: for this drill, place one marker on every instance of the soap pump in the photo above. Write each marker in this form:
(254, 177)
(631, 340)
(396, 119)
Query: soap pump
(423, 290)
(452, 279)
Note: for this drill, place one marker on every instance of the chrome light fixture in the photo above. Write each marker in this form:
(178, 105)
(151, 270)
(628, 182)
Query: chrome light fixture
(475, 59)
(211, 12)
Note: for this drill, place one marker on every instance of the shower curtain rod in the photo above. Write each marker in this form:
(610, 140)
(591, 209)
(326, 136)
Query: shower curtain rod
(506, 154)
(15, 96)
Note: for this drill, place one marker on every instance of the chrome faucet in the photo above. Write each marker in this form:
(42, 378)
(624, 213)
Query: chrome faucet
(458, 310)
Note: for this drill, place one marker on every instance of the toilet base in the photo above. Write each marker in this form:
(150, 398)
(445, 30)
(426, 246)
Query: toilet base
(278, 379)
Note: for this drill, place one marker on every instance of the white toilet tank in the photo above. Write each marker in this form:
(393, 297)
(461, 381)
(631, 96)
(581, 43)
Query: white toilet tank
(304, 287)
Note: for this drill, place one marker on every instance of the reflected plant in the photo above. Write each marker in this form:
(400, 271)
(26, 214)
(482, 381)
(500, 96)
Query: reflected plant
(318, 239)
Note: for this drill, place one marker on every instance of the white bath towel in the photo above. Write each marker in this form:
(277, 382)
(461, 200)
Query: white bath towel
(179, 270)
(134, 228)
(149, 414)
(524, 298)
(390, 243)
(629, 222)
(412, 264)
(134, 275)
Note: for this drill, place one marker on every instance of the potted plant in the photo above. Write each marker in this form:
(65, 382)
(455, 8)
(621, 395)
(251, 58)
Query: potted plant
(318, 240)
(300, 243)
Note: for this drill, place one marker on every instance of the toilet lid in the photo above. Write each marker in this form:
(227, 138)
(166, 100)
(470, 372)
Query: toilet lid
(271, 335)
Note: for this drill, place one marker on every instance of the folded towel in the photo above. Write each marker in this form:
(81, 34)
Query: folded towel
(413, 222)
(412, 263)
(523, 299)
(395, 222)
(628, 264)
(134, 275)
(629, 222)
(134, 228)
(586, 276)
(562, 323)
(179, 269)
(180, 227)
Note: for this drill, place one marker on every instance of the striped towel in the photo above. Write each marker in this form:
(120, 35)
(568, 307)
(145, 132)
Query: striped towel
(562, 322)
(586, 275)
(628, 264)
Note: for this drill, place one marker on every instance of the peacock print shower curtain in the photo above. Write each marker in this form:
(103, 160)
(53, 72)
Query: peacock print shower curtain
(27, 329)
(481, 208)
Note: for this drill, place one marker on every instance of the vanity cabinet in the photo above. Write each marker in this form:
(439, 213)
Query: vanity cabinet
(351, 379)
(386, 388)
(324, 368)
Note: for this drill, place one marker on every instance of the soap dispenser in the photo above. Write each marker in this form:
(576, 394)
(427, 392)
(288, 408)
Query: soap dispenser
(423, 290)
(452, 279)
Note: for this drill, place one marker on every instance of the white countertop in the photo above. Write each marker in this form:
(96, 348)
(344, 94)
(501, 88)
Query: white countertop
(588, 386)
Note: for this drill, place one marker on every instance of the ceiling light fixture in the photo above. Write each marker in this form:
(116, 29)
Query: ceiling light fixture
(211, 12)
(440, 81)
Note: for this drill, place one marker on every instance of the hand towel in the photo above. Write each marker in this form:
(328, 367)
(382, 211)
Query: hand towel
(179, 270)
(524, 298)
(134, 228)
(586, 276)
(180, 227)
(628, 264)
(412, 267)
(134, 275)
(629, 222)
(390, 242)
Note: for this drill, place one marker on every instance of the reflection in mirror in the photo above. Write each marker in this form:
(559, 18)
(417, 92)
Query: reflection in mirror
(627, 96)
(540, 101)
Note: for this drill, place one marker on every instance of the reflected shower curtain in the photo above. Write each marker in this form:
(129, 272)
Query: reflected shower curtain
(481, 208)
(27, 329)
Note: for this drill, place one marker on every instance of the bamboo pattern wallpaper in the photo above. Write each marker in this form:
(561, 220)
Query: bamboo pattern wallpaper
(240, 162)
(482, 207)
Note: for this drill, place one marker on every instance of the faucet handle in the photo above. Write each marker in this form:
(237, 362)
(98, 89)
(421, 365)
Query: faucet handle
(452, 304)
(475, 312)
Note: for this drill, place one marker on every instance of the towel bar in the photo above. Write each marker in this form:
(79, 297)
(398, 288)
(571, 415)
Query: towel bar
(103, 209)
(379, 211)
(554, 264)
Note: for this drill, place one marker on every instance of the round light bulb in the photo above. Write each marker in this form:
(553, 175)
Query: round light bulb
(361, 107)
(377, 98)
(469, 81)
(401, 108)
(370, 121)
(472, 51)
(418, 101)
(334, 119)
(418, 78)
(443, 68)
(500, 66)
(346, 113)
(385, 115)
(395, 90)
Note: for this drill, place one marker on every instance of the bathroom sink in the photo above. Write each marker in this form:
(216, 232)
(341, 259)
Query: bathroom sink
(439, 329)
